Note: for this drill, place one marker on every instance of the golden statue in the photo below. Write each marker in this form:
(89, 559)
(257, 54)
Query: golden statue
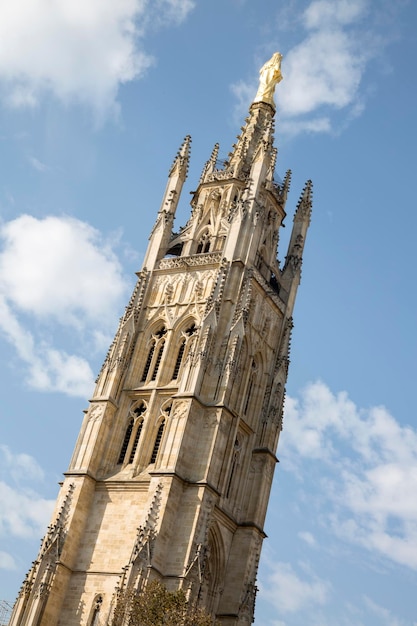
(269, 76)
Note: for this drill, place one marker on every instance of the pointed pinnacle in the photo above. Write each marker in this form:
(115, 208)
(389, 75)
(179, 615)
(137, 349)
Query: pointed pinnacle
(182, 157)
(210, 165)
(214, 154)
(305, 203)
(287, 180)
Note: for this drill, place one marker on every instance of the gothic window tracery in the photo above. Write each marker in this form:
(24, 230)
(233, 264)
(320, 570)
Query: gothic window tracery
(158, 360)
(135, 420)
(158, 439)
(135, 442)
(126, 441)
(187, 334)
(155, 353)
(204, 243)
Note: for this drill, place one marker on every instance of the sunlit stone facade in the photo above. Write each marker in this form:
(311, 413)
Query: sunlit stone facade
(171, 474)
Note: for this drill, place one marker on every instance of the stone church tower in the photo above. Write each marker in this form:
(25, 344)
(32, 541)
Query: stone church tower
(172, 470)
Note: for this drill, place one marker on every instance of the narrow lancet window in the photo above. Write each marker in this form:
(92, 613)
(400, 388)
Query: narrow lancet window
(126, 441)
(148, 362)
(158, 360)
(235, 461)
(135, 442)
(179, 360)
(181, 351)
(95, 617)
(157, 441)
(250, 387)
(154, 355)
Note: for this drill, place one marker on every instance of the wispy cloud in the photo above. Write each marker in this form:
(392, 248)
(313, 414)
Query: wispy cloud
(291, 591)
(384, 615)
(78, 51)
(323, 73)
(57, 273)
(308, 538)
(37, 164)
(368, 469)
(24, 513)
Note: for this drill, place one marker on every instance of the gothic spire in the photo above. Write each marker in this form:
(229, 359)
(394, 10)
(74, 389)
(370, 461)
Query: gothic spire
(210, 165)
(181, 160)
(305, 203)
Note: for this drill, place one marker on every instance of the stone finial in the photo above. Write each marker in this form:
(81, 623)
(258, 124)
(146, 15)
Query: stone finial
(182, 158)
(305, 203)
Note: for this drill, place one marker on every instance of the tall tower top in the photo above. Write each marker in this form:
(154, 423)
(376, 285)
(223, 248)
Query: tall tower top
(171, 474)
(269, 76)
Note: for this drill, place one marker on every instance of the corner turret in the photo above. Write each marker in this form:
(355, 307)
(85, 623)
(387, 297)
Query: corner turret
(162, 230)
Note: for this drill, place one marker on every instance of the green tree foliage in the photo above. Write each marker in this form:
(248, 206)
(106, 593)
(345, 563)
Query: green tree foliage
(156, 606)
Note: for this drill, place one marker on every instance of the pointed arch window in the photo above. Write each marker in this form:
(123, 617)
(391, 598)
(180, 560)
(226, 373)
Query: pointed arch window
(134, 420)
(251, 385)
(204, 243)
(155, 353)
(126, 440)
(95, 616)
(157, 443)
(148, 362)
(179, 360)
(235, 461)
(135, 442)
(181, 351)
(158, 360)
(140, 410)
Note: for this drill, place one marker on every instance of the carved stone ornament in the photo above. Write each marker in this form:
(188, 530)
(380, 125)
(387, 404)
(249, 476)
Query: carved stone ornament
(210, 258)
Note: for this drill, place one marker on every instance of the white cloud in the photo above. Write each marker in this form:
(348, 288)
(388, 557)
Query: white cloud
(308, 538)
(23, 512)
(323, 73)
(78, 51)
(7, 561)
(324, 70)
(59, 267)
(384, 615)
(369, 469)
(38, 165)
(20, 466)
(57, 272)
(290, 593)
(330, 12)
(292, 127)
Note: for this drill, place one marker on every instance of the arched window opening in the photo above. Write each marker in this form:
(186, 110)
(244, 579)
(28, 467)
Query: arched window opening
(152, 361)
(157, 441)
(148, 363)
(179, 360)
(189, 332)
(126, 441)
(158, 360)
(250, 387)
(135, 442)
(235, 461)
(95, 617)
(204, 243)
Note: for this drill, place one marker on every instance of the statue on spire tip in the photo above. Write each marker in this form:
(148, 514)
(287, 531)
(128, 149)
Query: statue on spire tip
(269, 76)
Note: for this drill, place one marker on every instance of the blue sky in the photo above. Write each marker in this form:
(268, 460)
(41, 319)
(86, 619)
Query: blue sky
(95, 99)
